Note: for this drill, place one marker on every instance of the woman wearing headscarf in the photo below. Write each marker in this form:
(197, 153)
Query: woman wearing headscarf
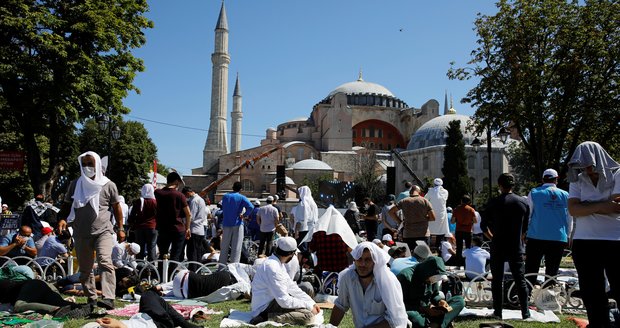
(352, 215)
(306, 214)
(593, 200)
(371, 291)
(142, 221)
(425, 302)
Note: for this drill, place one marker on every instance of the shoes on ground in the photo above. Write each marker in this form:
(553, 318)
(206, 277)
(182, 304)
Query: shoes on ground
(106, 303)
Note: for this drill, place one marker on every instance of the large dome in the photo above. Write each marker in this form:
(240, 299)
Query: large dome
(432, 133)
(361, 87)
(311, 164)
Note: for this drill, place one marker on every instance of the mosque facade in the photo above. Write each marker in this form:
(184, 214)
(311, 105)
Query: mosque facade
(352, 119)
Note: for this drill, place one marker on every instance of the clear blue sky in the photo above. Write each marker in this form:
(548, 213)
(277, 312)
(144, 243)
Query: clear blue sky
(290, 54)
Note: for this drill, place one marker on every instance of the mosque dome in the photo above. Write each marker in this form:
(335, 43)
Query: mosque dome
(361, 87)
(432, 133)
(311, 164)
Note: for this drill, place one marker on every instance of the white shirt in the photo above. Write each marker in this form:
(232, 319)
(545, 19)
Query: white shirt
(200, 212)
(292, 268)
(121, 258)
(300, 218)
(595, 226)
(272, 281)
(477, 230)
(445, 250)
(475, 260)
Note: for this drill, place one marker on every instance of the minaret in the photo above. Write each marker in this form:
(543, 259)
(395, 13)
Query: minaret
(216, 144)
(445, 104)
(236, 115)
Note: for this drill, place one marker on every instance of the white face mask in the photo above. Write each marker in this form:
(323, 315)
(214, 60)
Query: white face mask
(88, 171)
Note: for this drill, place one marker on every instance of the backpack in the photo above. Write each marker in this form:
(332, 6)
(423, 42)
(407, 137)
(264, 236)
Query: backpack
(452, 287)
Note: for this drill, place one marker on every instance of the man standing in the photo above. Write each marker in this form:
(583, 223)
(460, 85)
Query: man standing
(173, 218)
(371, 218)
(197, 244)
(405, 193)
(233, 205)
(275, 296)
(417, 212)
(438, 196)
(549, 228)
(87, 207)
(370, 290)
(505, 222)
(268, 219)
(464, 216)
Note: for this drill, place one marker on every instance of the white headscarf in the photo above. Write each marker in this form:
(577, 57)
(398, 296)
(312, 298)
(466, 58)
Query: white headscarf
(147, 192)
(307, 207)
(87, 189)
(389, 286)
(591, 153)
(332, 222)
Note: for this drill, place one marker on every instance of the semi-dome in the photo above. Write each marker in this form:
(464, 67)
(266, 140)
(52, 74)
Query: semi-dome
(361, 87)
(432, 133)
(311, 164)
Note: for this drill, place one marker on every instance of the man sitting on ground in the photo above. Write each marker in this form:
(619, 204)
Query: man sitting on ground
(420, 253)
(370, 290)
(18, 244)
(475, 259)
(447, 251)
(124, 257)
(275, 296)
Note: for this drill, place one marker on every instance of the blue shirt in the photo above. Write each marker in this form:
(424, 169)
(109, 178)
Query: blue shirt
(233, 204)
(549, 219)
(402, 263)
(52, 248)
(16, 251)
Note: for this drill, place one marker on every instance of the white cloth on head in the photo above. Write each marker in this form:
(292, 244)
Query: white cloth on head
(147, 192)
(332, 222)
(438, 196)
(591, 153)
(307, 212)
(87, 189)
(391, 291)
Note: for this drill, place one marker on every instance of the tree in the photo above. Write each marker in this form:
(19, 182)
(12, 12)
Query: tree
(456, 178)
(62, 62)
(366, 176)
(131, 156)
(550, 69)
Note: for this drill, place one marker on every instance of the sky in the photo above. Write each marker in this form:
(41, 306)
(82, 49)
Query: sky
(289, 55)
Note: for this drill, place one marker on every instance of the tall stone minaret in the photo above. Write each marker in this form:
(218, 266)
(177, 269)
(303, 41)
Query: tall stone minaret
(236, 115)
(216, 145)
(445, 104)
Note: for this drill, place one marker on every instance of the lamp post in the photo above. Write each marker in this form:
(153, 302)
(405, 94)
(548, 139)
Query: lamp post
(503, 134)
(114, 132)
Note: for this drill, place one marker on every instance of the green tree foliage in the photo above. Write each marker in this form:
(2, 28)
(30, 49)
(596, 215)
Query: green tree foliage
(456, 179)
(130, 157)
(551, 70)
(62, 62)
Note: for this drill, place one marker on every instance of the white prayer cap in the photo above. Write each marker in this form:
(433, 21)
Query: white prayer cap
(135, 248)
(287, 244)
(257, 202)
(422, 250)
(270, 198)
(387, 237)
(438, 182)
(550, 174)
(376, 241)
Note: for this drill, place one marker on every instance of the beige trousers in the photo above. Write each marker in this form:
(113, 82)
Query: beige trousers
(102, 244)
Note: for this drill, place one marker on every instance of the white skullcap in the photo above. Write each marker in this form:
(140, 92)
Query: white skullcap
(270, 198)
(376, 241)
(422, 250)
(135, 248)
(387, 237)
(438, 182)
(287, 244)
(257, 202)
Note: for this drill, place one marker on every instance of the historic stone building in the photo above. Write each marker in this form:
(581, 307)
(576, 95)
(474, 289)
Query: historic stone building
(357, 115)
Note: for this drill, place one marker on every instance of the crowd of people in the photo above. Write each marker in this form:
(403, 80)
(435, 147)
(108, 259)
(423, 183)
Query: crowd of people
(368, 247)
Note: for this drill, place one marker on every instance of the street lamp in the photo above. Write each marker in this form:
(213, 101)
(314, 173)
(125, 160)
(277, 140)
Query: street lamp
(114, 132)
(503, 134)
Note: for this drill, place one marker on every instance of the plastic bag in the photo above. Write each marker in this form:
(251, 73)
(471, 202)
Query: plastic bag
(546, 299)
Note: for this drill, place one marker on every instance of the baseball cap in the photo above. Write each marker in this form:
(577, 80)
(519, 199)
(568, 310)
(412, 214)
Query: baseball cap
(46, 230)
(550, 174)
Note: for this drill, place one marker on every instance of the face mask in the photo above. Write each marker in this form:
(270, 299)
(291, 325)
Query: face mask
(88, 171)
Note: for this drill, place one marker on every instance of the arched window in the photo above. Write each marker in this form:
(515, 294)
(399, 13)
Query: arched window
(248, 185)
(471, 162)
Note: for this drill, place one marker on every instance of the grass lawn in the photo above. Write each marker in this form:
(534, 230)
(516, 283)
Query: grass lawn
(244, 305)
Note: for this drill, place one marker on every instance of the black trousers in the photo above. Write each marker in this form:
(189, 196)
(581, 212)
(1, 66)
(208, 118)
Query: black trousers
(196, 247)
(147, 239)
(552, 250)
(594, 259)
(171, 242)
(266, 240)
(161, 312)
(517, 267)
(460, 236)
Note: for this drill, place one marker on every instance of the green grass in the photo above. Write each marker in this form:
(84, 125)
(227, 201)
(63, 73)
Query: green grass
(347, 322)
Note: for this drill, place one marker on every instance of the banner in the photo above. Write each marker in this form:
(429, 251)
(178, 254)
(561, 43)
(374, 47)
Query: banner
(12, 160)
